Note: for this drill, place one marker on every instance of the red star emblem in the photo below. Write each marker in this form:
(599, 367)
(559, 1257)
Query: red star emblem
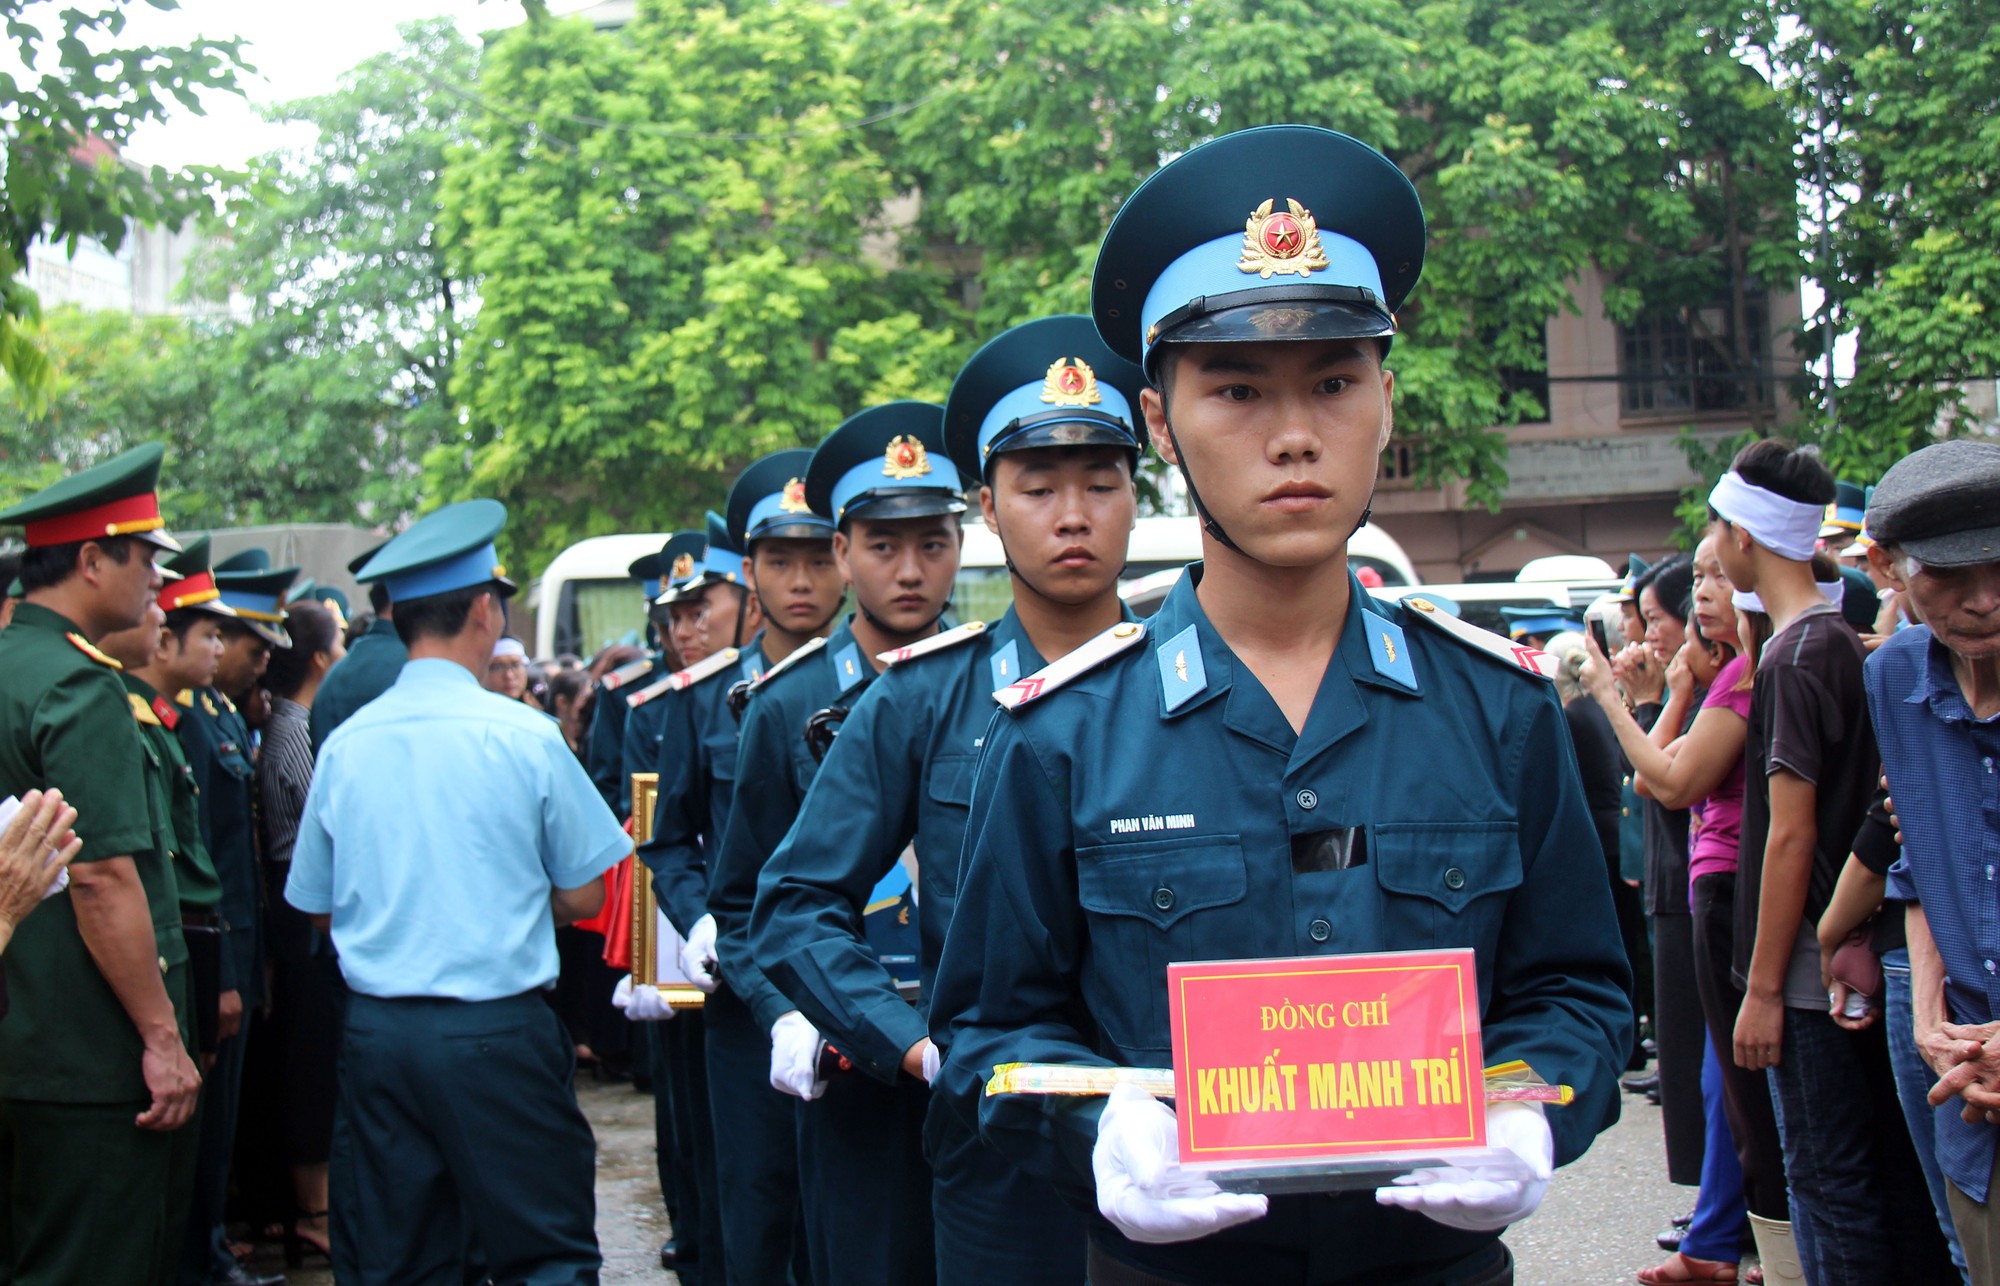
(1283, 238)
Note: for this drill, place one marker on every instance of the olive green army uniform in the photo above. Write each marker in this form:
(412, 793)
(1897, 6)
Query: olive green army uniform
(84, 1192)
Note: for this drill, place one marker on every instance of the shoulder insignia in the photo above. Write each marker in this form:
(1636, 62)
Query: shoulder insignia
(665, 683)
(142, 710)
(935, 643)
(165, 712)
(83, 646)
(1119, 638)
(1388, 650)
(627, 672)
(185, 699)
(208, 705)
(1521, 657)
(811, 647)
(681, 680)
(227, 704)
(1183, 677)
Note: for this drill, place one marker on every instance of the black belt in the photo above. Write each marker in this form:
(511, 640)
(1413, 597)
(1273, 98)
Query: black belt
(1491, 1266)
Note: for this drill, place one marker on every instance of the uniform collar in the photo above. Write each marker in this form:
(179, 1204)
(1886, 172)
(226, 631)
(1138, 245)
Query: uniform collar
(383, 625)
(843, 656)
(133, 683)
(1936, 686)
(35, 616)
(435, 671)
(1338, 708)
(1022, 660)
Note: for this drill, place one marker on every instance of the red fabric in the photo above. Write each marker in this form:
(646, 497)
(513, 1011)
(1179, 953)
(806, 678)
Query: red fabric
(113, 518)
(615, 920)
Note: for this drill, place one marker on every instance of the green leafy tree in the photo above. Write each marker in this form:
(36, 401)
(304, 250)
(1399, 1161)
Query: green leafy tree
(71, 108)
(673, 230)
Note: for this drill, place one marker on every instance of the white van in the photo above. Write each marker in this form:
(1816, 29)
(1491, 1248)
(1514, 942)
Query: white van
(584, 601)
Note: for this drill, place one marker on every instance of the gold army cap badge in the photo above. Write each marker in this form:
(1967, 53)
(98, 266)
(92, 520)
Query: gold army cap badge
(1277, 242)
(794, 499)
(1071, 382)
(905, 458)
(683, 567)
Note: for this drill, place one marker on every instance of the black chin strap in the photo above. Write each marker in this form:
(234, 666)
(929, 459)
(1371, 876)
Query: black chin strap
(1208, 522)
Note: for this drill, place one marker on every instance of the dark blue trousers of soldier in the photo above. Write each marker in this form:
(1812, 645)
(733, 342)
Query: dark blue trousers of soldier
(685, 1136)
(878, 1232)
(756, 1159)
(459, 1135)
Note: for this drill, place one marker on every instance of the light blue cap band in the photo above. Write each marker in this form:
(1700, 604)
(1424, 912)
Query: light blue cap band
(1211, 269)
(1551, 624)
(1027, 401)
(870, 478)
(461, 571)
(724, 564)
(771, 512)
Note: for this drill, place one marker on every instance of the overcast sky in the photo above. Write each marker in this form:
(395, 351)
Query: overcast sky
(299, 49)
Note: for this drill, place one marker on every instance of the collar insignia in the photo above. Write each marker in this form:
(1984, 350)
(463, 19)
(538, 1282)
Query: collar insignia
(167, 715)
(1281, 242)
(905, 459)
(1388, 650)
(209, 706)
(794, 499)
(83, 645)
(683, 567)
(1006, 664)
(1182, 675)
(1071, 382)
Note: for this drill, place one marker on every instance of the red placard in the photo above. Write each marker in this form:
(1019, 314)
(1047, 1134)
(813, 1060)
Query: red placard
(1326, 1056)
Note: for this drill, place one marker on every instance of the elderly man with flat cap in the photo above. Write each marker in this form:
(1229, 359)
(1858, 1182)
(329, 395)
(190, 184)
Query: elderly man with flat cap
(1934, 694)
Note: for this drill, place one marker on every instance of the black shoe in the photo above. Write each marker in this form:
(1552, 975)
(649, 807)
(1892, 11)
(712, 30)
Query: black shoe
(1670, 1240)
(1647, 1084)
(670, 1254)
(1649, 1046)
(1682, 1221)
(238, 1275)
(1653, 1096)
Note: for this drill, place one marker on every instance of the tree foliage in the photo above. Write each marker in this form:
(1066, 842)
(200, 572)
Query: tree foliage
(71, 107)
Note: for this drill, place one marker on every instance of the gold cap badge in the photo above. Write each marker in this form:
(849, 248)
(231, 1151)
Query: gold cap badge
(905, 458)
(1071, 382)
(1277, 242)
(683, 567)
(794, 499)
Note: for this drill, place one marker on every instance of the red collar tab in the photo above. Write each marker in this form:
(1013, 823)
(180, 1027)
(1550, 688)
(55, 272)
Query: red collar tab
(166, 711)
(121, 517)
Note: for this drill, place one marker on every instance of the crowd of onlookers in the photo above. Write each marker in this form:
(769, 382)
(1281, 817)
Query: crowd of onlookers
(1788, 740)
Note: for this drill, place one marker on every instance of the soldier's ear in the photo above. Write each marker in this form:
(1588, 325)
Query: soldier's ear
(1153, 405)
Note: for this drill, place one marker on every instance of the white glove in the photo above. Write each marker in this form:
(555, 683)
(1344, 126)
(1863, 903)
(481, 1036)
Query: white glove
(698, 955)
(1135, 1154)
(642, 1004)
(795, 1047)
(1457, 1199)
(932, 1062)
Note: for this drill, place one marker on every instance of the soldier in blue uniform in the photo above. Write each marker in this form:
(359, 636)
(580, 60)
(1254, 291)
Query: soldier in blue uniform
(1291, 728)
(789, 571)
(604, 743)
(1047, 416)
(447, 831)
(893, 496)
(372, 663)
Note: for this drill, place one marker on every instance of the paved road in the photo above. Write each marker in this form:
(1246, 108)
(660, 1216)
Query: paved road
(1595, 1229)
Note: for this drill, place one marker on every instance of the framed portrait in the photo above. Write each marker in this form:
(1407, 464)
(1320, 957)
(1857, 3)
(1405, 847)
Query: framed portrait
(656, 944)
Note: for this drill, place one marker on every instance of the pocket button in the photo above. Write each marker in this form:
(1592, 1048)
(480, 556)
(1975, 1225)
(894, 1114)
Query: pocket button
(1319, 930)
(1454, 879)
(1163, 898)
(1308, 800)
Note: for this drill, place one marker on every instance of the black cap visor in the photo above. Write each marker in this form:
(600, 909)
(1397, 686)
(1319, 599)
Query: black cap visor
(814, 529)
(273, 634)
(1953, 549)
(1062, 429)
(903, 502)
(1269, 321)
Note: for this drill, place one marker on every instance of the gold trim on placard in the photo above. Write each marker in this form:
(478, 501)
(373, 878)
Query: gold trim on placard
(646, 908)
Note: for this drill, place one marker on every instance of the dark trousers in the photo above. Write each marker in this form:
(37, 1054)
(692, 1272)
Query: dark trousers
(1679, 1032)
(1746, 1095)
(1859, 1205)
(757, 1152)
(457, 1134)
(864, 1185)
(686, 1135)
(205, 1250)
(87, 1196)
(996, 1222)
(1493, 1266)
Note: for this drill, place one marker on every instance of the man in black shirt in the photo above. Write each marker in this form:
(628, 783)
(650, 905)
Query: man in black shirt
(1810, 774)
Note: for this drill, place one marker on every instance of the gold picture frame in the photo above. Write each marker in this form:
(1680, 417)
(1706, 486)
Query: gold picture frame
(656, 946)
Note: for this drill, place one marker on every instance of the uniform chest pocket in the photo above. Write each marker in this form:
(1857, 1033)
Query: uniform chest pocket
(941, 819)
(233, 761)
(1442, 881)
(1151, 903)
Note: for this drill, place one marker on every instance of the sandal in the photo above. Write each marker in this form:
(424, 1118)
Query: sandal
(1754, 1275)
(1680, 1268)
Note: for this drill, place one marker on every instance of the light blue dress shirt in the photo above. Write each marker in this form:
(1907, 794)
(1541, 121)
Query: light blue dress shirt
(440, 817)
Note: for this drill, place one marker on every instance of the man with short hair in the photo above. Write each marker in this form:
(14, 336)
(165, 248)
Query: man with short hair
(1859, 1213)
(372, 663)
(96, 1072)
(1934, 691)
(447, 832)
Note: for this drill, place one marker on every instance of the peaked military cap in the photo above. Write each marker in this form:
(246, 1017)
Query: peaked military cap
(256, 592)
(193, 584)
(1635, 567)
(305, 588)
(1550, 619)
(769, 502)
(1045, 383)
(448, 549)
(885, 462)
(360, 560)
(116, 498)
(646, 570)
(1849, 508)
(678, 562)
(1280, 232)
